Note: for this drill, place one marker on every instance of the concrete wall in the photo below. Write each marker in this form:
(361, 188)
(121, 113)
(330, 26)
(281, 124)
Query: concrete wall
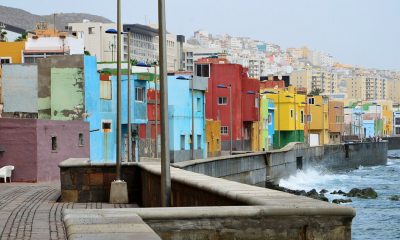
(20, 80)
(68, 145)
(28, 146)
(394, 142)
(18, 138)
(210, 208)
(269, 167)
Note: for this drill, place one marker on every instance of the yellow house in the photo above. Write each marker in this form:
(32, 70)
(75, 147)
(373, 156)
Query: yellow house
(387, 116)
(213, 138)
(289, 115)
(10, 52)
(318, 122)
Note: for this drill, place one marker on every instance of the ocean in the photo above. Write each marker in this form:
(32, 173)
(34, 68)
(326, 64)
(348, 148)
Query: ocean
(376, 218)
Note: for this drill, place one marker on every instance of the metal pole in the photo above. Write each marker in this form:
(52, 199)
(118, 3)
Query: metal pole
(129, 99)
(279, 121)
(295, 117)
(156, 113)
(165, 159)
(258, 117)
(118, 90)
(230, 116)
(192, 121)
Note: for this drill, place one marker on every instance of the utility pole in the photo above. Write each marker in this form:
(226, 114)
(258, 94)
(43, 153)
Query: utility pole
(119, 189)
(165, 159)
(129, 99)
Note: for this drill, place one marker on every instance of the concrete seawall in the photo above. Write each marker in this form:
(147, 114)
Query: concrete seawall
(208, 208)
(269, 167)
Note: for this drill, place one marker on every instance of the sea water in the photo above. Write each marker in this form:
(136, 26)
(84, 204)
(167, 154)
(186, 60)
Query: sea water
(376, 218)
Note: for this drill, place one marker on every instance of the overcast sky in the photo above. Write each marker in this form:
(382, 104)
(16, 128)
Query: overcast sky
(358, 32)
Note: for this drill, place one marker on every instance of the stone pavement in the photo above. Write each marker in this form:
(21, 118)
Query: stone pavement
(31, 211)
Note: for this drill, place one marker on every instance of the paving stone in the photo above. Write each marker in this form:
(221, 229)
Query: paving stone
(30, 211)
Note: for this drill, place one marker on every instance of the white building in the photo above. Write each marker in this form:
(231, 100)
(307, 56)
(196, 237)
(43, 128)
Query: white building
(42, 47)
(96, 41)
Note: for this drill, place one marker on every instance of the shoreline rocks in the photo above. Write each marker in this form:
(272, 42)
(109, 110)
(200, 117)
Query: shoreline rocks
(339, 201)
(366, 193)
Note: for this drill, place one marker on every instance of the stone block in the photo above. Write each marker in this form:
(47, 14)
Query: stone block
(96, 179)
(69, 195)
(119, 192)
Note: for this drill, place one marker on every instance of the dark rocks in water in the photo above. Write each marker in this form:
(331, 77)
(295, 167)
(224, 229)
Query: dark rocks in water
(339, 201)
(340, 192)
(367, 193)
(314, 194)
(395, 198)
(323, 191)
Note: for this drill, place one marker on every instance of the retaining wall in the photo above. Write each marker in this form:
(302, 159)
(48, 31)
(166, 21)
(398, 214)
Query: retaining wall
(394, 142)
(269, 167)
(212, 208)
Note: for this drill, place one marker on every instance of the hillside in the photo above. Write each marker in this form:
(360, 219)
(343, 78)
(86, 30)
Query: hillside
(26, 20)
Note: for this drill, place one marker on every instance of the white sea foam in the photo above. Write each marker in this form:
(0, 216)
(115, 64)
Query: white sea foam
(313, 178)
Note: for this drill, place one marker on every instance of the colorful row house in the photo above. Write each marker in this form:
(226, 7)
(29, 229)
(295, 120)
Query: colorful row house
(231, 99)
(267, 108)
(318, 125)
(289, 115)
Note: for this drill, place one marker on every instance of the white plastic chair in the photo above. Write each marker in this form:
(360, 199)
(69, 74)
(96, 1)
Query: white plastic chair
(5, 172)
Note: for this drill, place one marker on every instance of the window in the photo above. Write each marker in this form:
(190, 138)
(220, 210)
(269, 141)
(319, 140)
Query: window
(269, 118)
(80, 140)
(224, 130)
(5, 61)
(256, 102)
(53, 143)
(301, 116)
(291, 113)
(139, 94)
(309, 118)
(222, 101)
(106, 90)
(106, 126)
(397, 130)
(203, 70)
(311, 101)
(397, 121)
(91, 30)
(182, 142)
(198, 141)
(198, 104)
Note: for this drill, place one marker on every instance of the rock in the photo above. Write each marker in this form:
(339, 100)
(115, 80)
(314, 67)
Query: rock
(340, 192)
(314, 194)
(323, 191)
(367, 193)
(339, 201)
(395, 198)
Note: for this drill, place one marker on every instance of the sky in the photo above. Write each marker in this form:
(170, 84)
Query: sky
(358, 32)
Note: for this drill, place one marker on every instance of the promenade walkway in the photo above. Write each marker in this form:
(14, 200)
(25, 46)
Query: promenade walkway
(31, 211)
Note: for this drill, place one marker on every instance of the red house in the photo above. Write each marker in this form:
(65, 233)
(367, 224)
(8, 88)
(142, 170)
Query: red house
(224, 78)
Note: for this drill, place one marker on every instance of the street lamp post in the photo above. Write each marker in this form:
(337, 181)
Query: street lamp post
(230, 113)
(192, 142)
(119, 190)
(128, 34)
(165, 158)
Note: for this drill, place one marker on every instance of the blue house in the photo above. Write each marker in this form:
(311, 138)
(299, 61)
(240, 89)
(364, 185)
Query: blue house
(271, 122)
(369, 128)
(101, 102)
(180, 118)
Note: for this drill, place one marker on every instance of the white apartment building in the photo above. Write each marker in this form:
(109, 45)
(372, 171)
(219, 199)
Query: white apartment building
(96, 41)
